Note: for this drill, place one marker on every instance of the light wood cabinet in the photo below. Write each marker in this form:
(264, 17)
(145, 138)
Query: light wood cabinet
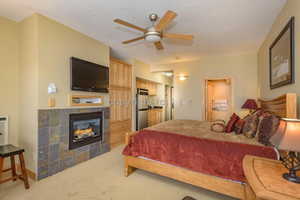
(118, 130)
(152, 87)
(154, 116)
(145, 84)
(138, 83)
(120, 91)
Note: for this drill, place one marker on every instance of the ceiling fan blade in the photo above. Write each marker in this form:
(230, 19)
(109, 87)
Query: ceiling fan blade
(165, 20)
(122, 22)
(178, 36)
(158, 45)
(133, 40)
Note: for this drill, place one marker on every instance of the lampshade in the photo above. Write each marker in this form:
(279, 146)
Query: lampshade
(250, 104)
(287, 136)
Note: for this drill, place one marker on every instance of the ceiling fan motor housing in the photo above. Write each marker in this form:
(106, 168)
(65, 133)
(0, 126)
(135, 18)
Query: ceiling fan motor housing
(153, 17)
(152, 35)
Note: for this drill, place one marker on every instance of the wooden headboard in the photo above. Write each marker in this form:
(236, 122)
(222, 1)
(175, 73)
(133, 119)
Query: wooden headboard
(283, 106)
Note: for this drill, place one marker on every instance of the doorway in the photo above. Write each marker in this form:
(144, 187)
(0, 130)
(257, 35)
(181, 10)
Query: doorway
(218, 99)
(168, 103)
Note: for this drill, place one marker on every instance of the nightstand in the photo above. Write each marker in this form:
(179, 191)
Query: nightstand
(265, 182)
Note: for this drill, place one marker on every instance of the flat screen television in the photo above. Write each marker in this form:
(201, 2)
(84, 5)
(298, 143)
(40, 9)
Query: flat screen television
(87, 76)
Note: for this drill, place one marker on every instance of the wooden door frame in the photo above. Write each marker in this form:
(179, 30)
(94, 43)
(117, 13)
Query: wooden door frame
(204, 93)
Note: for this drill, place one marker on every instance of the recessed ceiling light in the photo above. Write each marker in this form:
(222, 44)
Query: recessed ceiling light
(169, 74)
(182, 78)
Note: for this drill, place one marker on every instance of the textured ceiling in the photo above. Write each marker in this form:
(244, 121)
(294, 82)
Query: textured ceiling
(219, 26)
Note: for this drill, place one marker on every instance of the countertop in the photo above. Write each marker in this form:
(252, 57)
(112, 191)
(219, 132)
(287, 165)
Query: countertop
(155, 107)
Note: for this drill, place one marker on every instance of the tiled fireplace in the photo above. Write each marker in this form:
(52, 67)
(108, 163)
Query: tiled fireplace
(70, 136)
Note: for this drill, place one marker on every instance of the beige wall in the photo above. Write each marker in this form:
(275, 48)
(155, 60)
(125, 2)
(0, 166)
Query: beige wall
(29, 88)
(45, 49)
(292, 8)
(57, 43)
(189, 94)
(9, 70)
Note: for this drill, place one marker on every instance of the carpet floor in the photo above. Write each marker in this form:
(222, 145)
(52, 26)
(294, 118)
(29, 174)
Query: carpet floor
(102, 179)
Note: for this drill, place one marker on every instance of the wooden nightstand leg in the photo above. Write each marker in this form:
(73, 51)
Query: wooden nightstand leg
(13, 167)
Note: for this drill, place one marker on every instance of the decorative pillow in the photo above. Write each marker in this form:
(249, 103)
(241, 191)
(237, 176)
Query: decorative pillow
(238, 127)
(250, 127)
(267, 128)
(260, 118)
(217, 127)
(230, 125)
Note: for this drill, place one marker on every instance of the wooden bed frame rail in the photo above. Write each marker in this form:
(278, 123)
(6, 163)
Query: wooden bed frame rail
(283, 106)
(208, 182)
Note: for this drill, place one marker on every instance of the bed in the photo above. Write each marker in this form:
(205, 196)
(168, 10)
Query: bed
(283, 106)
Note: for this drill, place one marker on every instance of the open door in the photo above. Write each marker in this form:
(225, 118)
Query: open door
(218, 99)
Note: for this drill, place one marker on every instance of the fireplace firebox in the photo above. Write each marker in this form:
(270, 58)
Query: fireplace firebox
(85, 128)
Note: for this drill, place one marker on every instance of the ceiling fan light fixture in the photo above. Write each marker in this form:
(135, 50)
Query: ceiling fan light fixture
(152, 38)
(152, 35)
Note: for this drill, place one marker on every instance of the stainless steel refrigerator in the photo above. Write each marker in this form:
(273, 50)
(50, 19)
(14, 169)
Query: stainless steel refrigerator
(142, 108)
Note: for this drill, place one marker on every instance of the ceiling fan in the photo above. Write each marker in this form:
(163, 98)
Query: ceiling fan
(155, 33)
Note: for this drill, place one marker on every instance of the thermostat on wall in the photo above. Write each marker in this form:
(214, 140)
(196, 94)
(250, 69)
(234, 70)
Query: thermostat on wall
(3, 130)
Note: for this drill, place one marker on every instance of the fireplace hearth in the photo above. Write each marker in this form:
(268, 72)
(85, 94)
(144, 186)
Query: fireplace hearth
(85, 128)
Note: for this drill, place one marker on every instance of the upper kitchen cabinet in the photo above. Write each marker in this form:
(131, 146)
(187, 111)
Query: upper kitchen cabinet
(152, 87)
(140, 83)
(149, 85)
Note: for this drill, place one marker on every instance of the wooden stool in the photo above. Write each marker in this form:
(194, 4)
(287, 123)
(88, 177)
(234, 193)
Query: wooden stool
(11, 151)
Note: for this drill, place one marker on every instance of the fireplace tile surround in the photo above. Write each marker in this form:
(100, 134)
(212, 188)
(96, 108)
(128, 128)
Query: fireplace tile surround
(53, 140)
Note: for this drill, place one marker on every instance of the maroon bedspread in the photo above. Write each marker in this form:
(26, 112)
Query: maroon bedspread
(217, 158)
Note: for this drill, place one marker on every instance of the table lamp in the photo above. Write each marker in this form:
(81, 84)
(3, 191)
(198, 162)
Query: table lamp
(250, 104)
(287, 137)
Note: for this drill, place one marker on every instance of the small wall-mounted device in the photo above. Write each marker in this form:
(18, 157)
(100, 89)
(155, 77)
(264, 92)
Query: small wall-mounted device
(52, 88)
(3, 130)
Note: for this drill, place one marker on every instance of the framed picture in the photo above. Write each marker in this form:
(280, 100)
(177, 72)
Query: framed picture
(282, 55)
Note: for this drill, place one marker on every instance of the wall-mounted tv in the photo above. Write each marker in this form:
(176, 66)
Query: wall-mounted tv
(87, 76)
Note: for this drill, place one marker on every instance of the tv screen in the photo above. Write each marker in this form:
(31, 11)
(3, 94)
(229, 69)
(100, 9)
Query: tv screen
(87, 76)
